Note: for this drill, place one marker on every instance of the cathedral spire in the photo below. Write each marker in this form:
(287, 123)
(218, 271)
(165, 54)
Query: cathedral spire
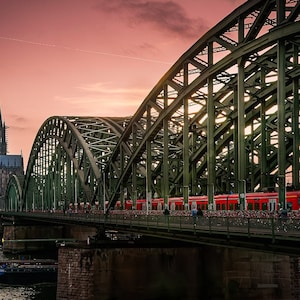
(3, 143)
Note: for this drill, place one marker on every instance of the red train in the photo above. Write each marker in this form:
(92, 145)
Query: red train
(255, 201)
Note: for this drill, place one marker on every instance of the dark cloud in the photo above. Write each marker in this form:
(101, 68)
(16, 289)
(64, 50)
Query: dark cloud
(147, 46)
(168, 16)
(16, 119)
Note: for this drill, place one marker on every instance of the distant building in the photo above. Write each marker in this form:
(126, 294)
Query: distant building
(9, 164)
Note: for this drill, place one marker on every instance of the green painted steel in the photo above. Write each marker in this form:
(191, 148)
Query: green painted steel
(14, 194)
(281, 99)
(224, 118)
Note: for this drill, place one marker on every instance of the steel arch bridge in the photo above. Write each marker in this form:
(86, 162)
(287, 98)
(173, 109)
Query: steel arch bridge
(224, 118)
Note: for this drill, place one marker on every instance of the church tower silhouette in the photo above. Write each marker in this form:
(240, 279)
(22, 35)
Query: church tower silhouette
(3, 141)
(9, 164)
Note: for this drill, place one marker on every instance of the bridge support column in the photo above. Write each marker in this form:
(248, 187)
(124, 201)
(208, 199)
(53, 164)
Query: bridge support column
(86, 272)
(281, 99)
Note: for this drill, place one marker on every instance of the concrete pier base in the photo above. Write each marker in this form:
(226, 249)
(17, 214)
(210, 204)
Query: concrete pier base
(130, 273)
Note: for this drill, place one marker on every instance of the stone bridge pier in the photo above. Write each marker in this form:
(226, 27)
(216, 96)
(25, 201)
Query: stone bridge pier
(130, 272)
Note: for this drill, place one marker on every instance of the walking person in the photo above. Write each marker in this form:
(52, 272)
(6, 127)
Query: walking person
(194, 215)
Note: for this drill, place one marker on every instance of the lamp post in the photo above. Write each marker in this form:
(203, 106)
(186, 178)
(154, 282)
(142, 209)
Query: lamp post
(245, 195)
(227, 202)
(104, 191)
(148, 189)
(75, 194)
(42, 194)
(54, 198)
(242, 194)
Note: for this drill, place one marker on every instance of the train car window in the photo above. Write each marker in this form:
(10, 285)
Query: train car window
(202, 206)
(206, 206)
(250, 206)
(289, 206)
(179, 207)
(223, 206)
(264, 206)
(299, 201)
(256, 206)
(230, 206)
(218, 206)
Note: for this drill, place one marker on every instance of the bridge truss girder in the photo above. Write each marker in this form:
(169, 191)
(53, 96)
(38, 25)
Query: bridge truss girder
(14, 193)
(66, 161)
(225, 116)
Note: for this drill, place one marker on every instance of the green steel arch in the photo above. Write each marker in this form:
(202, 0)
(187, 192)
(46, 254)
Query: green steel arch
(67, 159)
(13, 194)
(225, 117)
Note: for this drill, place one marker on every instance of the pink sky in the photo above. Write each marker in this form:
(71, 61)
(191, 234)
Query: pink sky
(90, 57)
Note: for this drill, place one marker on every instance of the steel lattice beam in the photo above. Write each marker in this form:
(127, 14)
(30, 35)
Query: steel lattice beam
(224, 118)
(226, 84)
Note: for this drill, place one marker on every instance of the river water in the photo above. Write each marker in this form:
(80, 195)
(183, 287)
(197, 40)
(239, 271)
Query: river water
(44, 291)
(206, 272)
(40, 291)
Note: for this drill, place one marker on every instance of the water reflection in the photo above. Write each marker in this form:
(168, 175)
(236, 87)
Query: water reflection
(8, 293)
(41, 291)
(204, 272)
(45, 291)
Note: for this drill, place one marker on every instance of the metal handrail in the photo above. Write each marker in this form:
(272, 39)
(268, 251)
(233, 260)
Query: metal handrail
(252, 227)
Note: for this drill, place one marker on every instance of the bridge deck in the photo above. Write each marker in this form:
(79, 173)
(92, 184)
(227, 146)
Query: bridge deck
(259, 233)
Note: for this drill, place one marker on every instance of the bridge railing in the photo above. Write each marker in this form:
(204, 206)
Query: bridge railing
(271, 227)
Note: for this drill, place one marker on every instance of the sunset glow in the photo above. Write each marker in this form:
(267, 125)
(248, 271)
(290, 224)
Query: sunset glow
(90, 58)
